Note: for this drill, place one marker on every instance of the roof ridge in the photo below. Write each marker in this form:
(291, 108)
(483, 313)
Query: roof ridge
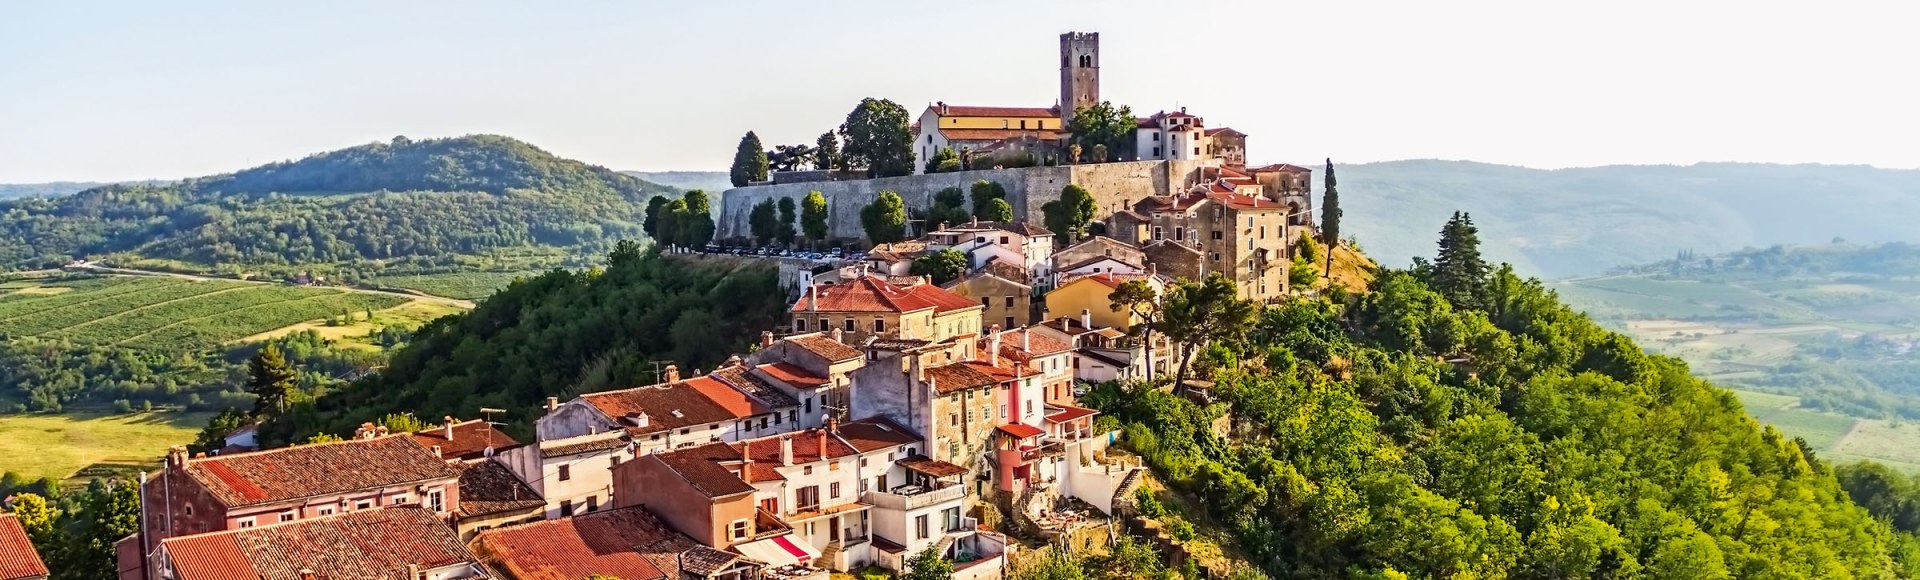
(262, 452)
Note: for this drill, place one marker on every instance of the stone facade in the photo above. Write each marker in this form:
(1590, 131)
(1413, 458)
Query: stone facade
(1115, 186)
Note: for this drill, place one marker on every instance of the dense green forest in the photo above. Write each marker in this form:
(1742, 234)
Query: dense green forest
(1455, 422)
(399, 206)
(1585, 220)
(559, 334)
(49, 376)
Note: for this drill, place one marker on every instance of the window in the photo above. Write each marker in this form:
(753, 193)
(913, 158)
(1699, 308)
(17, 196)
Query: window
(566, 507)
(1156, 139)
(1003, 240)
(739, 529)
(437, 500)
(1196, 150)
(772, 505)
(1009, 303)
(833, 490)
(400, 499)
(849, 325)
(326, 511)
(1249, 222)
(799, 325)
(1029, 406)
(1003, 411)
(1156, 148)
(879, 325)
(1179, 233)
(593, 502)
(189, 509)
(1249, 243)
(763, 423)
(286, 516)
(808, 470)
(686, 431)
(1009, 322)
(1003, 123)
(566, 472)
(1023, 123)
(245, 522)
(920, 527)
(1157, 234)
(823, 325)
(1263, 232)
(365, 504)
(954, 418)
(614, 462)
(986, 301)
(1216, 234)
(807, 498)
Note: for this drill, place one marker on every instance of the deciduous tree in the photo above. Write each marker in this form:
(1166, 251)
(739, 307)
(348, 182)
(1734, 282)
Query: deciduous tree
(1069, 215)
(761, 221)
(1194, 314)
(949, 209)
(1102, 124)
(983, 193)
(826, 153)
(998, 210)
(696, 225)
(813, 216)
(885, 220)
(877, 138)
(1142, 302)
(942, 266)
(928, 565)
(784, 228)
(946, 160)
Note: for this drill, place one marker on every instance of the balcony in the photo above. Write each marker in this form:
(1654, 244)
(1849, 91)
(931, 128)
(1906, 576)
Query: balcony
(912, 497)
(1048, 449)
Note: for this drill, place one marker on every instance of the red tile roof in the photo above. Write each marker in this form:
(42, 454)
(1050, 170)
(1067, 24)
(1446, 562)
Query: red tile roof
(898, 251)
(1037, 344)
(1244, 202)
(825, 346)
(733, 400)
(700, 467)
(1020, 430)
(1280, 167)
(869, 294)
(265, 477)
(470, 439)
(1219, 130)
(931, 467)
(793, 374)
(17, 556)
(671, 406)
(627, 543)
(968, 111)
(376, 543)
(488, 487)
(957, 377)
(1069, 413)
(875, 433)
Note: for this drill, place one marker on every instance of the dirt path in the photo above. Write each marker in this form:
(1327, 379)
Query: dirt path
(466, 304)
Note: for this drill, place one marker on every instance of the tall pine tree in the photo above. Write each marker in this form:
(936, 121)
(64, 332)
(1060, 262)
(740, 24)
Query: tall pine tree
(826, 152)
(1458, 272)
(271, 380)
(1330, 218)
(749, 161)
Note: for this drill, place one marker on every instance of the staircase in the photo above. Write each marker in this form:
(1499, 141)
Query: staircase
(1123, 495)
(830, 557)
(946, 543)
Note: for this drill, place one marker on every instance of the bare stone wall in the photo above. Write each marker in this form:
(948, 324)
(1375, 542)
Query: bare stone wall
(1114, 185)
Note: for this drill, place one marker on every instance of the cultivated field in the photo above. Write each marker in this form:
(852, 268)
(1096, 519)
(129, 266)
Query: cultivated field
(57, 446)
(462, 285)
(168, 313)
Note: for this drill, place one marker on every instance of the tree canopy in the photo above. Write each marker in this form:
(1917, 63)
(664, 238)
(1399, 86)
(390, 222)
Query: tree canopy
(943, 266)
(749, 161)
(876, 136)
(813, 217)
(885, 220)
(1103, 126)
(1068, 216)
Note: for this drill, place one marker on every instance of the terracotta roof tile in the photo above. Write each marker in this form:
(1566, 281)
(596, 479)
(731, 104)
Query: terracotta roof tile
(1016, 112)
(875, 433)
(1036, 343)
(898, 251)
(589, 445)
(376, 543)
(869, 294)
(18, 559)
(626, 543)
(1245, 202)
(304, 471)
(931, 467)
(1006, 271)
(1019, 430)
(825, 346)
(470, 439)
(793, 374)
(735, 401)
(1068, 413)
(488, 487)
(700, 467)
(672, 405)
(957, 377)
(1280, 167)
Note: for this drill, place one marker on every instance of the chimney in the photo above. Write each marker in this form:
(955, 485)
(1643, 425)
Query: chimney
(1152, 269)
(1086, 319)
(766, 338)
(436, 452)
(833, 424)
(176, 456)
(838, 335)
(672, 374)
(413, 572)
(1026, 340)
(823, 444)
(306, 574)
(449, 427)
(553, 403)
(993, 347)
(786, 449)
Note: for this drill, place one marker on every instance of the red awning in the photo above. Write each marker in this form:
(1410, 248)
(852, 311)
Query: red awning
(1021, 431)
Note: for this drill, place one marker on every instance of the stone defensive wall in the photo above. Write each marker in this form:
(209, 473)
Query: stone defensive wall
(1114, 186)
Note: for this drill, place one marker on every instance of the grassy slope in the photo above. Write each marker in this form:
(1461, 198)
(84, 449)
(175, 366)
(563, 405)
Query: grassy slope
(168, 314)
(58, 445)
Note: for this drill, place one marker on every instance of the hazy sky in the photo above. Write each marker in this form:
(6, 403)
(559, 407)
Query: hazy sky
(130, 90)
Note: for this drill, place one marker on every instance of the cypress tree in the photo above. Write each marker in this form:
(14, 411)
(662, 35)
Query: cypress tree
(749, 161)
(1330, 218)
(271, 380)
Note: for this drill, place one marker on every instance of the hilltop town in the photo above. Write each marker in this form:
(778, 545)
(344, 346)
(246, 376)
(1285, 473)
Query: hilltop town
(919, 405)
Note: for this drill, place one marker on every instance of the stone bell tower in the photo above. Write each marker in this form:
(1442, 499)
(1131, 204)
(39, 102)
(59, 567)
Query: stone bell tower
(1079, 72)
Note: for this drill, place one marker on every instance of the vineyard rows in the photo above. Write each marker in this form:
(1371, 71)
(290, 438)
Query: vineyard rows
(172, 314)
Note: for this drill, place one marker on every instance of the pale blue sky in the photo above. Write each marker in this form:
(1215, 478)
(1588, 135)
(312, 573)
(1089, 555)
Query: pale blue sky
(131, 90)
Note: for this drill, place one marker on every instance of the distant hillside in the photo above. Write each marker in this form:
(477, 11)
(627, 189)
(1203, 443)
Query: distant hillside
(403, 204)
(1586, 220)
(50, 189)
(711, 181)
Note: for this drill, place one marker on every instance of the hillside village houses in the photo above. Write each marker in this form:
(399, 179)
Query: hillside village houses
(888, 416)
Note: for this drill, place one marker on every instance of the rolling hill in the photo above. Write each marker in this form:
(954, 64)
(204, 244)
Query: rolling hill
(473, 202)
(1586, 220)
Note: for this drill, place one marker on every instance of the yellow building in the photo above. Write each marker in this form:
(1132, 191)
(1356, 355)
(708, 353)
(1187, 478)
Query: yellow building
(1085, 298)
(876, 307)
(983, 129)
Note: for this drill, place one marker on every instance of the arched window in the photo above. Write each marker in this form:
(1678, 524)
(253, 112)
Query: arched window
(1086, 61)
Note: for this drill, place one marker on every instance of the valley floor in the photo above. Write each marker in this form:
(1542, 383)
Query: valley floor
(91, 443)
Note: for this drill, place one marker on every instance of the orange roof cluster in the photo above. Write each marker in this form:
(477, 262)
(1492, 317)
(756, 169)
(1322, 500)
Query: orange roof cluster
(696, 401)
(825, 347)
(722, 469)
(957, 377)
(793, 374)
(304, 471)
(869, 294)
(470, 439)
(1036, 344)
(17, 556)
(627, 543)
(375, 543)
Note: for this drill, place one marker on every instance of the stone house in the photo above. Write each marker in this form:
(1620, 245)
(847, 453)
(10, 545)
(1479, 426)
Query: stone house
(871, 307)
(815, 369)
(370, 543)
(628, 543)
(1005, 300)
(1244, 237)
